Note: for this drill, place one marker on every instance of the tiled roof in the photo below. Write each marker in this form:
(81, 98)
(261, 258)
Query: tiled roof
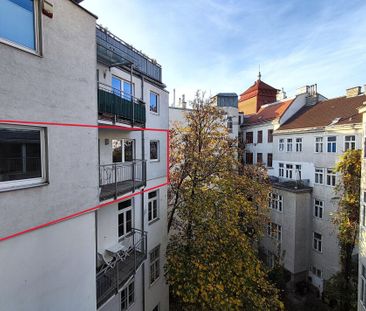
(325, 112)
(268, 112)
(255, 88)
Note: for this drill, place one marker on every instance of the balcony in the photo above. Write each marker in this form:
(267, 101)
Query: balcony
(113, 275)
(119, 178)
(115, 106)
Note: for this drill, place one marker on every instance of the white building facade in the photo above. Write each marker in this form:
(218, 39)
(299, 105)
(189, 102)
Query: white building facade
(83, 170)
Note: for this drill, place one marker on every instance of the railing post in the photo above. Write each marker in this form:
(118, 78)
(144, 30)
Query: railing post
(133, 176)
(115, 180)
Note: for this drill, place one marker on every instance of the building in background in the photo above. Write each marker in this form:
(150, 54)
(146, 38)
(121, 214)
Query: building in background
(84, 207)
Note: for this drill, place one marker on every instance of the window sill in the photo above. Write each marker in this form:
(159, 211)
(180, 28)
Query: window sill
(155, 281)
(20, 47)
(20, 187)
(154, 113)
(154, 161)
(153, 221)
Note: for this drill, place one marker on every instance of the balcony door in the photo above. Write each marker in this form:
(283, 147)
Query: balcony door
(123, 150)
(122, 88)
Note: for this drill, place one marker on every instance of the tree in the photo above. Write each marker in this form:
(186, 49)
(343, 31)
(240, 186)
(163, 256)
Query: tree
(347, 220)
(217, 216)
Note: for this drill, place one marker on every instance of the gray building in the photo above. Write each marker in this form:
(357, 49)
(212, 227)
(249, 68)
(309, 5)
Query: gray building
(82, 181)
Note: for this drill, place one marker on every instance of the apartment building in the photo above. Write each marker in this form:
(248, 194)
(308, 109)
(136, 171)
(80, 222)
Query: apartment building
(362, 226)
(83, 164)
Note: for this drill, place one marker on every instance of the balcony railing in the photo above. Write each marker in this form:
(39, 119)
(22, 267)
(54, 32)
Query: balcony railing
(118, 106)
(113, 275)
(119, 178)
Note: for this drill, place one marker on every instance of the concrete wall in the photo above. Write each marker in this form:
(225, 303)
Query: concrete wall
(53, 268)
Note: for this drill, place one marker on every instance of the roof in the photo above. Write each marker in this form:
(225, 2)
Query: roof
(269, 112)
(252, 91)
(227, 94)
(325, 112)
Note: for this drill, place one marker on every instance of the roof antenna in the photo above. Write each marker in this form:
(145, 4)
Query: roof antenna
(259, 72)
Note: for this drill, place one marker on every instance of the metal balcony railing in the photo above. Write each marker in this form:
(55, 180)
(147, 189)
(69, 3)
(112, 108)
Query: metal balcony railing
(113, 275)
(118, 106)
(119, 178)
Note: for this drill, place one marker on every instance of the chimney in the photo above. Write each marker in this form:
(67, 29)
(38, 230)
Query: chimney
(302, 90)
(353, 91)
(281, 94)
(184, 103)
(173, 97)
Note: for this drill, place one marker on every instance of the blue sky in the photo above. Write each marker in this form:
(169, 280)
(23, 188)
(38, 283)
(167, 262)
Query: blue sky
(217, 45)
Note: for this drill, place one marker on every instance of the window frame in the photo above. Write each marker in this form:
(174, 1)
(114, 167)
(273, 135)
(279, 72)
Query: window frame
(332, 144)
(127, 290)
(350, 143)
(247, 141)
(151, 206)
(317, 242)
(270, 136)
(318, 210)
(281, 145)
(289, 143)
(157, 150)
(333, 177)
(154, 265)
(37, 22)
(319, 144)
(274, 231)
(289, 170)
(259, 157)
(30, 182)
(298, 144)
(157, 102)
(363, 286)
(260, 135)
(276, 201)
(320, 173)
(124, 211)
(269, 160)
(281, 169)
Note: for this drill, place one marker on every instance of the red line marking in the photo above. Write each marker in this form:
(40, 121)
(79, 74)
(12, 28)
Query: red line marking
(88, 210)
(99, 206)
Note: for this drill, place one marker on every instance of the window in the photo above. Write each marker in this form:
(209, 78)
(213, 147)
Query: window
(249, 158)
(154, 150)
(22, 156)
(260, 137)
(270, 136)
(350, 142)
(154, 102)
(332, 144)
(318, 208)
(19, 22)
(281, 144)
(317, 241)
(122, 150)
(274, 231)
(281, 170)
(331, 177)
(318, 144)
(230, 124)
(122, 88)
(319, 176)
(289, 171)
(363, 285)
(317, 272)
(269, 160)
(153, 205)
(298, 172)
(276, 201)
(298, 144)
(363, 212)
(259, 157)
(128, 295)
(124, 218)
(154, 264)
(249, 137)
(289, 145)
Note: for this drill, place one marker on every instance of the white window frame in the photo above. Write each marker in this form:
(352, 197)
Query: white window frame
(298, 144)
(157, 150)
(298, 169)
(331, 143)
(289, 144)
(29, 182)
(151, 208)
(289, 171)
(157, 103)
(127, 290)
(363, 286)
(319, 144)
(319, 174)
(281, 169)
(274, 231)
(124, 211)
(317, 242)
(281, 145)
(276, 201)
(330, 176)
(318, 209)
(349, 142)
(154, 264)
(37, 33)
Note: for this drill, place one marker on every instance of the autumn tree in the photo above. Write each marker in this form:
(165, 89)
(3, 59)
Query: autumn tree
(343, 286)
(217, 215)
